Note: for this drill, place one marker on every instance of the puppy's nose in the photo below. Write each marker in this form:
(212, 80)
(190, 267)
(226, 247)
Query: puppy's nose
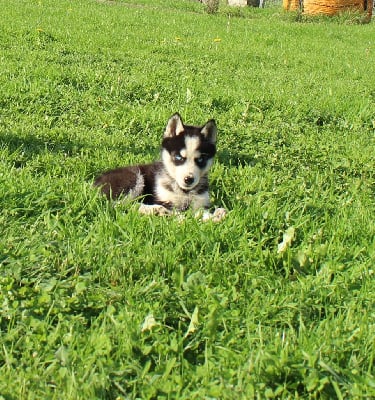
(189, 180)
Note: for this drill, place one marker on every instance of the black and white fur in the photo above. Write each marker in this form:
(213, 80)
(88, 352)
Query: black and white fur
(179, 181)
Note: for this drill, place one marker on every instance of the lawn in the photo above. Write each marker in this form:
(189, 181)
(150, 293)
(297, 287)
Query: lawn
(99, 302)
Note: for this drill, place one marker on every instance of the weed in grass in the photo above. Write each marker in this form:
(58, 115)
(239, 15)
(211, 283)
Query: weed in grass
(212, 6)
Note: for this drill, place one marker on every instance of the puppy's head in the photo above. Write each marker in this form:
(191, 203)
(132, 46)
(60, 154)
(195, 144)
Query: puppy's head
(188, 151)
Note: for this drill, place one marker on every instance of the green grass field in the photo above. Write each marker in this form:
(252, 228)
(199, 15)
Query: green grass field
(99, 302)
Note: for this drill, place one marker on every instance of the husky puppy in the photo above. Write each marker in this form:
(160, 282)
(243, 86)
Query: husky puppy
(178, 181)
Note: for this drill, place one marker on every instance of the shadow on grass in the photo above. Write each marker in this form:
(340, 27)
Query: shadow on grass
(30, 146)
(24, 148)
(235, 159)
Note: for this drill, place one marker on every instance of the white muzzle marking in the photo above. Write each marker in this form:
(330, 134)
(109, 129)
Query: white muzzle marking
(188, 174)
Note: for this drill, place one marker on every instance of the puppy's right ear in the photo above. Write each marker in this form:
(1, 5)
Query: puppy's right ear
(209, 131)
(174, 126)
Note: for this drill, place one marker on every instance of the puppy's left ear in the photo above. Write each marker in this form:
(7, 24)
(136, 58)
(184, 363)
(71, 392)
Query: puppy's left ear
(209, 131)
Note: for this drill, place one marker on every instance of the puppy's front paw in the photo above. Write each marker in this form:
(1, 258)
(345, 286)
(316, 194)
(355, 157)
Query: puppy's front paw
(219, 214)
(153, 209)
(216, 216)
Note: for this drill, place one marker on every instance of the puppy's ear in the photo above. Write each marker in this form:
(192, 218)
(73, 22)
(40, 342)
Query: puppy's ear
(209, 131)
(175, 126)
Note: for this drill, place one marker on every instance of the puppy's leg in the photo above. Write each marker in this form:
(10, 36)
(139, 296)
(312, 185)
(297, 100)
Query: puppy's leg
(216, 216)
(219, 214)
(153, 209)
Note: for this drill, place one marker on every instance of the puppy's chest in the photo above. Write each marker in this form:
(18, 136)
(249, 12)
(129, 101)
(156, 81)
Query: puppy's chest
(171, 196)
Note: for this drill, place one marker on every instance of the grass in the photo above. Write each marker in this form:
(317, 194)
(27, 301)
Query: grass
(99, 302)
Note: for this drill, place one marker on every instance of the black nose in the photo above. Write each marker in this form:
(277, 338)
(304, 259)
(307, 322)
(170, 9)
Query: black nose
(189, 180)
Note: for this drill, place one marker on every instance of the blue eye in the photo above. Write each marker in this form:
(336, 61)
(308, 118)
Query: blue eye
(178, 159)
(201, 161)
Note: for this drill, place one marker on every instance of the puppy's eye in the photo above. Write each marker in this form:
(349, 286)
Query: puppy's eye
(178, 159)
(201, 161)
